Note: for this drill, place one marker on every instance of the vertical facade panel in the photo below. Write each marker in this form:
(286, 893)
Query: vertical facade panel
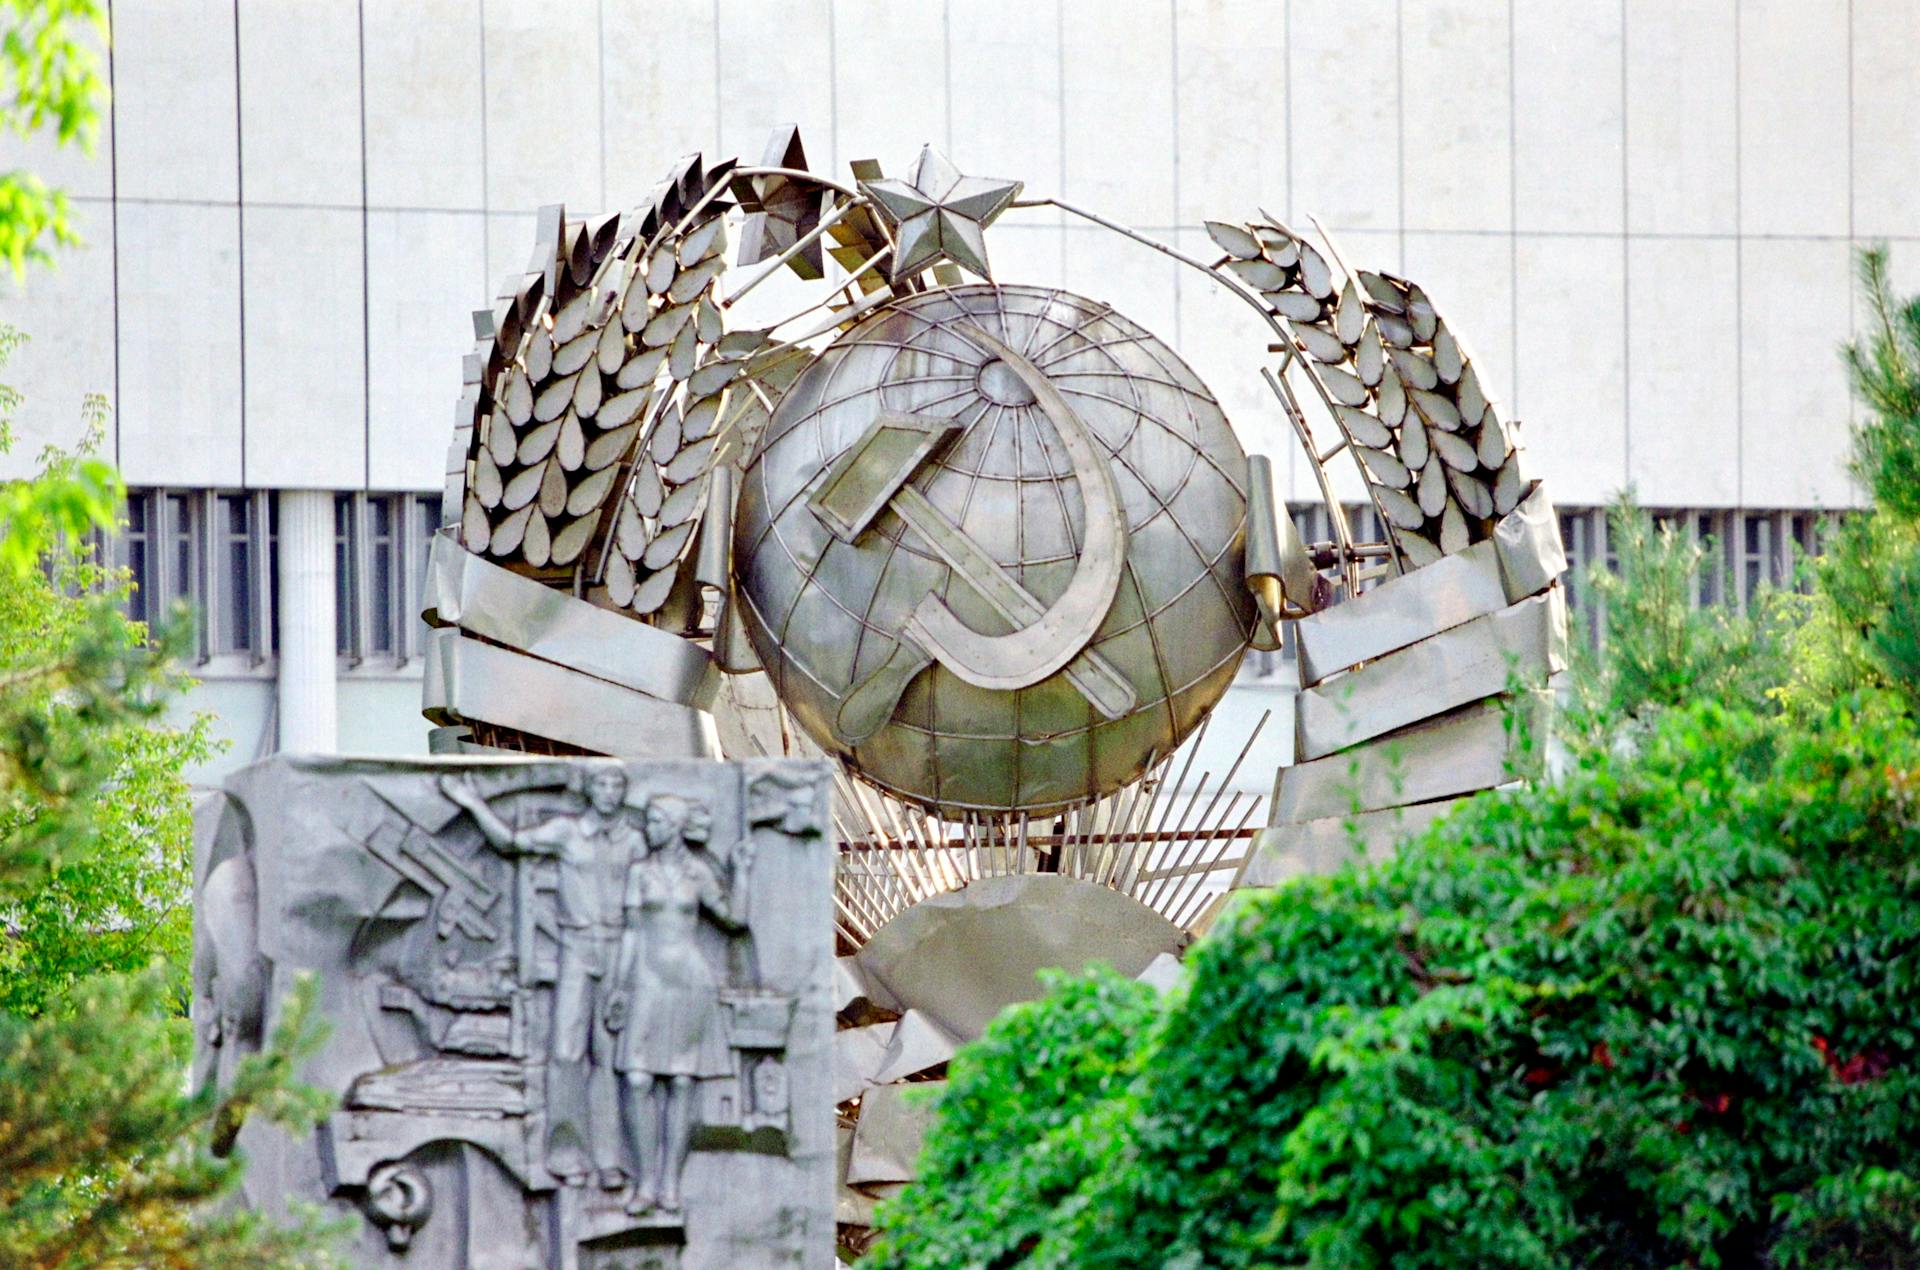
(1457, 116)
(67, 315)
(1682, 161)
(661, 97)
(1117, 107)
(1793, 116)
(773, 73)
(1344, 129)
(1886, 117)
(422, 285)
(424, 126)
(879, 47)
(305, 349)
(1567, 110)
(1569, 380)
(175, 99)
(1006, 67)
(1232, 87)
(543, 72)
(1794, 409)
(179, 287)
(300, 102)
(1683, 324)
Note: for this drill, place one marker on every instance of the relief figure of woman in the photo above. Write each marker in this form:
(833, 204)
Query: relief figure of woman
(672, 1027)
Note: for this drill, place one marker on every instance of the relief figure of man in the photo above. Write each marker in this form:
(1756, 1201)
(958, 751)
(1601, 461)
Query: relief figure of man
(594, 850)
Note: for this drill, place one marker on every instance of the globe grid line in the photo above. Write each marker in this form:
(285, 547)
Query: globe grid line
(1199, 453)
(1075, 331)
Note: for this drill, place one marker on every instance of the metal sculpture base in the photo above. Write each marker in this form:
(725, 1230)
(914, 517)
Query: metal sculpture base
(580, 1010)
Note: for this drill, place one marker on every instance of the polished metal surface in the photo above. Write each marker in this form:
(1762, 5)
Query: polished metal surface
(982, 640)
(1527, 541)
(1523, 558)
(996, 549)
(1093, 470)
(1045, 643)
(1479, 746)
(1526, 642)
(467, 680)
(939, 214)
(502, 606)
(1280, 573)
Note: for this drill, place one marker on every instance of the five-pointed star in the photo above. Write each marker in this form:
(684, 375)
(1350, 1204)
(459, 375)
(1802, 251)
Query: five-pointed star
(940, 214)
(782, 210)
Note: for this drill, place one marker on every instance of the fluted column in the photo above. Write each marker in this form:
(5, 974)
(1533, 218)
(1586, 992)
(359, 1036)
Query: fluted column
(309, 717)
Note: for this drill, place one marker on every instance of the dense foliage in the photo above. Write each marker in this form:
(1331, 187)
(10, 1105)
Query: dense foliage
(95, 816)
(105, 1159)
(1663, 1010)
(106, 1163)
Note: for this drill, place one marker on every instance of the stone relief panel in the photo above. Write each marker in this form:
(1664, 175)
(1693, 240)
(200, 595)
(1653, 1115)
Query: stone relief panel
(580, 1009)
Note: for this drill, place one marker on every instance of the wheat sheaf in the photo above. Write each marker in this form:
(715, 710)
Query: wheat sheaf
(606, 393)
(1441, 464)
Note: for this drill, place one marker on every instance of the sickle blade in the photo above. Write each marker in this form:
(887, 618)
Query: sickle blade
(1044, 646)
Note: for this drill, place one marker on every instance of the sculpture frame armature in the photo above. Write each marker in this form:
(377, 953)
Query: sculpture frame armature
(480, 931)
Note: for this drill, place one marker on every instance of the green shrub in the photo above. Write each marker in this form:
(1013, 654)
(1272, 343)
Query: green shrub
(1021, 1152)
(1660, 1013)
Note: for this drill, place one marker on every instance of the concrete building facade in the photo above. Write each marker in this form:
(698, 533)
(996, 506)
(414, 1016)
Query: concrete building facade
(1641, 213)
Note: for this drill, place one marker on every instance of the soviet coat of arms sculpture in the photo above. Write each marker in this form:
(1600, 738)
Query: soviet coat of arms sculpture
(777, 462)
(579, 1009)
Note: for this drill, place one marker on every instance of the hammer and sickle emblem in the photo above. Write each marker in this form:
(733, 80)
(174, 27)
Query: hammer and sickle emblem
(873, 475)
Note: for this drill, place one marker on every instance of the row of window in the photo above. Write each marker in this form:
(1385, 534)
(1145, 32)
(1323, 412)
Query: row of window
(1746, 551)
(215, 552)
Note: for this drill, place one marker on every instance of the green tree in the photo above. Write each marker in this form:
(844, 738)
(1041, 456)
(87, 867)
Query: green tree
(106, 1162)
(105, 1159)
(1862, 626)
(95, 816)
(1661, 1013)
(52, 83)
(1662, 649)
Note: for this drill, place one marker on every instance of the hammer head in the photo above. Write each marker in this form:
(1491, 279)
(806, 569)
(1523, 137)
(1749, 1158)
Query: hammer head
(863, 480)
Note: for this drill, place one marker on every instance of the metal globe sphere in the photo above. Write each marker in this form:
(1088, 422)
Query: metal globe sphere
(828, 605)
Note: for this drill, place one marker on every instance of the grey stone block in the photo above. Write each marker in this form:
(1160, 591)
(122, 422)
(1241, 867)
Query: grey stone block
(580, 1010)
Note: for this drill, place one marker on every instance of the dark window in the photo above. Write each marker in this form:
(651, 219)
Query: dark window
(1711, 576)
(181, 583)
(273, 574)
(139, 556)
(343, 575)
(427, 510)
(380, 583)
(236, 591)
(1759, 536)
